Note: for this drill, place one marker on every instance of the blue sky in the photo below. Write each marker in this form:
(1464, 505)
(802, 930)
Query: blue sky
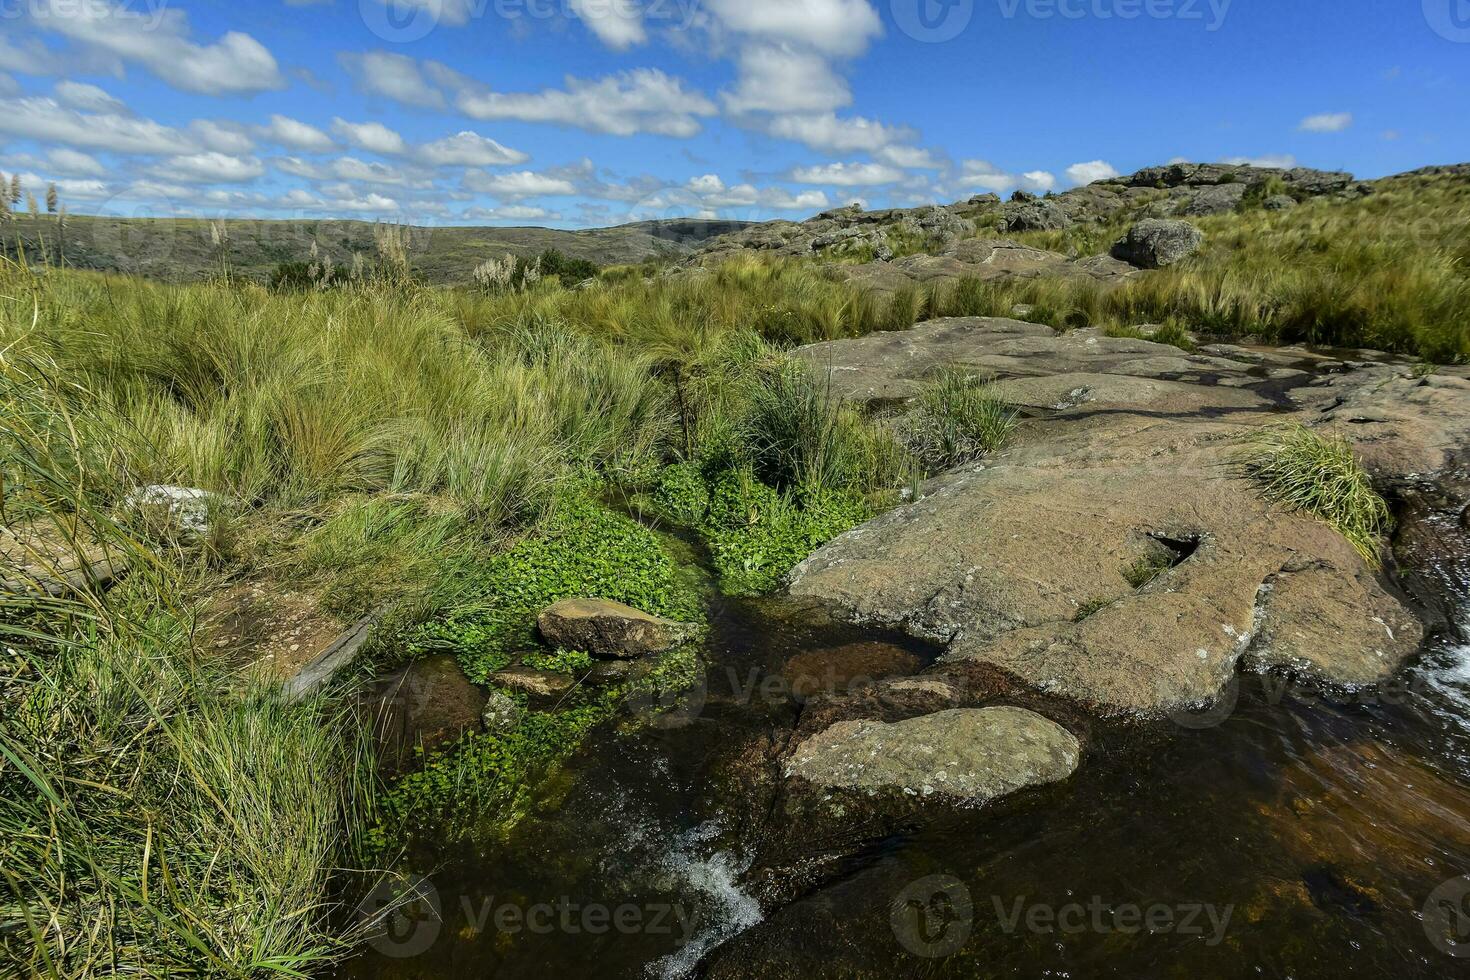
(590, 112)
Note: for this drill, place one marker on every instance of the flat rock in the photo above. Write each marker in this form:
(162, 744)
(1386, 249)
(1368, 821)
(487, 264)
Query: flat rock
(48, 557)
(608, 629)
(542, 684)
(965, 754)
(1003, 561)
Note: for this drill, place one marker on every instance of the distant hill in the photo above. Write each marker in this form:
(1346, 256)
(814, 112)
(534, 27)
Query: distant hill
(181, 249)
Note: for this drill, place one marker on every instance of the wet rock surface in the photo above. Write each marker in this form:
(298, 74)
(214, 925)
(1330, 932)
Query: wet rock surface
(608, 629)
(426, 705)
(968, 754)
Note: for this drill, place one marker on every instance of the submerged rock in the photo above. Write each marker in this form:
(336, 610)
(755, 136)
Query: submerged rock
(604, 628)
(501, 714)
(966, 754)
(539, 684)
(427, 704)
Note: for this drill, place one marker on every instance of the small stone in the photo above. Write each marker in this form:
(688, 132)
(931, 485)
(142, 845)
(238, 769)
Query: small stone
(608, 629)
(501, 714)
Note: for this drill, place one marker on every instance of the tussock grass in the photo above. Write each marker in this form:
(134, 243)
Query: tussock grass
(961, 418)
(1306, 470)
(1390, 271)
(157, 818)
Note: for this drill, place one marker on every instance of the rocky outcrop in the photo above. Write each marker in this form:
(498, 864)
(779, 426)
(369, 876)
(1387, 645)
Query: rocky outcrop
(1174, 191)
(971, 755)
(609, 629)
(1027, 562)
(1156, 244)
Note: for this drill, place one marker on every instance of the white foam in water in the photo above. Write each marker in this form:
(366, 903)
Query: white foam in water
(724, 910)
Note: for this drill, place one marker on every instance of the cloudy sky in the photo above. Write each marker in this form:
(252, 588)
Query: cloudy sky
(592, 112)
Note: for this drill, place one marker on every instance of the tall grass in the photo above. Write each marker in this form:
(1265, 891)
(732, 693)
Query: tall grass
(1306, 470)
(1390, 271)
(157, 818)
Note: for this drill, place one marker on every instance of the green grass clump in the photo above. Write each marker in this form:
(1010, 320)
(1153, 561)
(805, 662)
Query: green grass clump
(159, 816)
(1147, 568)
(959, 418)
(1306, 470)
(583, 549)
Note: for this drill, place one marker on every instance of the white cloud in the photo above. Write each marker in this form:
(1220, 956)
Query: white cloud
(74, 163)
(1094, 170)
(46, 120)
(511, 212)
(617, 23)
(1327, 122)
(706, 184)
(847, 174)
(984, 175)
(8, 85)
(643, 100)
(836, 27)
(221, 137)
(371, 136)
(1038, 181)
(1282, 161)
(88, 98)
(830, 134)
(351, 168)
(908, 157)
(467, 149)
(295, 134)
(211, 168)
(68, 189)
(521, 183)
(780, 78)
(158, 39)
(393, 76)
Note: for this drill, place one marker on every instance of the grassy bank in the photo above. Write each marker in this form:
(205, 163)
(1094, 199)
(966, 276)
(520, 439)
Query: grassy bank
(1389, 271)
(451, 453)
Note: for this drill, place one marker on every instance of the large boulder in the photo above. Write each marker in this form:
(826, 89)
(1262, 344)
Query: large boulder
(1044, 215)
(1029, 562)
(1156, 243)
(970, 755)
(609, 629)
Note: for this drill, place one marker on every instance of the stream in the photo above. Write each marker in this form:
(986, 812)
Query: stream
(1288, 832)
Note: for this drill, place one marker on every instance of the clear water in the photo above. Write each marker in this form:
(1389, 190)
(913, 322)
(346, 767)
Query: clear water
(1305, 835)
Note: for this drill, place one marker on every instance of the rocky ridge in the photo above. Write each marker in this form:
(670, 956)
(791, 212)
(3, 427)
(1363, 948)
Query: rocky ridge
(967, 238)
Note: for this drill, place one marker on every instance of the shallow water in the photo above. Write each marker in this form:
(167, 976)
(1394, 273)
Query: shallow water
(1298, 835)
